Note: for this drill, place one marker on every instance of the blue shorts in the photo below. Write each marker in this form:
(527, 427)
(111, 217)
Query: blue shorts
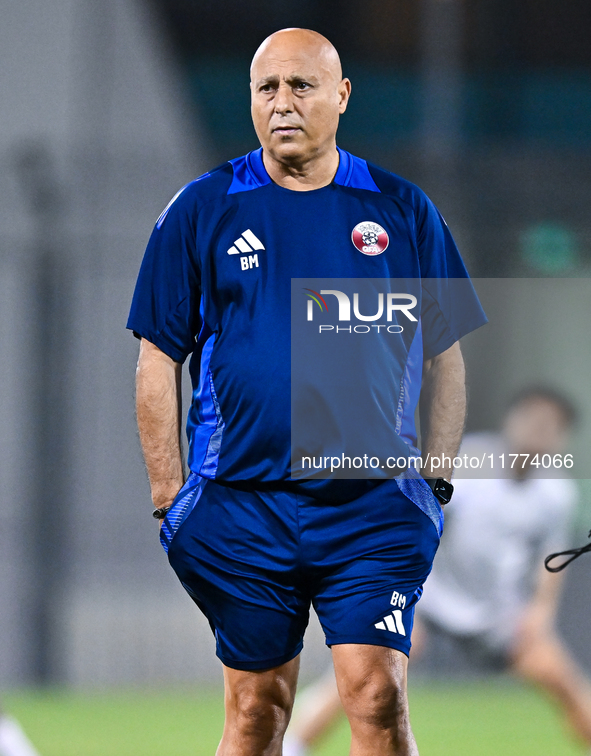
(254, 562)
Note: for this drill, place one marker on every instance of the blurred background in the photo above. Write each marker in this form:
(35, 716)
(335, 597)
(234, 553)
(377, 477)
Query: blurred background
(107, 108)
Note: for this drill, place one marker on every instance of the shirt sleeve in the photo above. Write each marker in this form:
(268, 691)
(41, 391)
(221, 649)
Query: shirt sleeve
(450, 307)
(166, 301)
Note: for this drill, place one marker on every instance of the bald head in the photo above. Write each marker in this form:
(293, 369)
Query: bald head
(287, 43)
(298, 94)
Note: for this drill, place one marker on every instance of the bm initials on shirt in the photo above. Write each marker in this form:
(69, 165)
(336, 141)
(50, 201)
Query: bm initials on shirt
(249, 261)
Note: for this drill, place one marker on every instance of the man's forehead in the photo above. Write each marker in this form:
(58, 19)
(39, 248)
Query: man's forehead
(289, 68)
(298, 53)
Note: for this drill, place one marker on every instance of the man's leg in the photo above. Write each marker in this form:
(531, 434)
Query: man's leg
(236, 554)
(319, 705)
(258, 707)
(372, 686)
(544, 661)
(371, 558)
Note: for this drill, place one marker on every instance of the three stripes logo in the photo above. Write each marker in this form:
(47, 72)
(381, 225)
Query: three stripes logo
(392, 623)
(246, 243)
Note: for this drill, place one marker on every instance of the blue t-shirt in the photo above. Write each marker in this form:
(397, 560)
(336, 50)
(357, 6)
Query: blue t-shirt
(216, 279)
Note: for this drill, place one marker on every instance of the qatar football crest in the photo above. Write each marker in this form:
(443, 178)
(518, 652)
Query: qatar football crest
(370, 238)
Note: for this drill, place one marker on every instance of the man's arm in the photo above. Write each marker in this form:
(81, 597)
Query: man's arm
(442, 409)
(540, 613)
(158, 406)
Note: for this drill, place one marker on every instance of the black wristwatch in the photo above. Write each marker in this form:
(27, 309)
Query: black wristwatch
(441, 488)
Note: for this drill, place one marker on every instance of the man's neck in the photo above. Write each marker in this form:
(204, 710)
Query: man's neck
(302, 176)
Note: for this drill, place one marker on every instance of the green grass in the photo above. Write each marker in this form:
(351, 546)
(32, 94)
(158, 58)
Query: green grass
(120, 723)
(471, 719)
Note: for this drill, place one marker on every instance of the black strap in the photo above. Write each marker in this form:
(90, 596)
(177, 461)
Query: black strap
(572, 554)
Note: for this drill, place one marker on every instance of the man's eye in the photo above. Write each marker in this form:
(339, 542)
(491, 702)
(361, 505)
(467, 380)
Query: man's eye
(302, 85)
(266, 88)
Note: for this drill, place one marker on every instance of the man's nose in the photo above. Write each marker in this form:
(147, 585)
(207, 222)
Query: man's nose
(283, 99)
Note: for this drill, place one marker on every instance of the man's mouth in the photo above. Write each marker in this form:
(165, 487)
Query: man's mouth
(286, 130)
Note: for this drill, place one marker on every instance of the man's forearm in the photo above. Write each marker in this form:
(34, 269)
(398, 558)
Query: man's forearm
(158, 406)
(442, 410)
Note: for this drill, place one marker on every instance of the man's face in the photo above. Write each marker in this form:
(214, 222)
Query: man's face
(536, 426)
(297, 97)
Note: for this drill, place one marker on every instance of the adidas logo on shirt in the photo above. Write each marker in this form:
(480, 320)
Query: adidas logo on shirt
(392, 623)
(245, 243)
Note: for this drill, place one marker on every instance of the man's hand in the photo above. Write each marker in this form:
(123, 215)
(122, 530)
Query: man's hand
(442, 410)
(158, 406)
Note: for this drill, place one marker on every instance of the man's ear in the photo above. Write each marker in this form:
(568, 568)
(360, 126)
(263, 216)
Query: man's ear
(344, 91)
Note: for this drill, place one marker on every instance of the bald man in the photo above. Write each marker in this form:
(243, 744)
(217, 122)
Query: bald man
(253, 539)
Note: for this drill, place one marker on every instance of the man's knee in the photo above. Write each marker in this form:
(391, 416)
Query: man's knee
(257, 713)
(259, 704)
(378, 699)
